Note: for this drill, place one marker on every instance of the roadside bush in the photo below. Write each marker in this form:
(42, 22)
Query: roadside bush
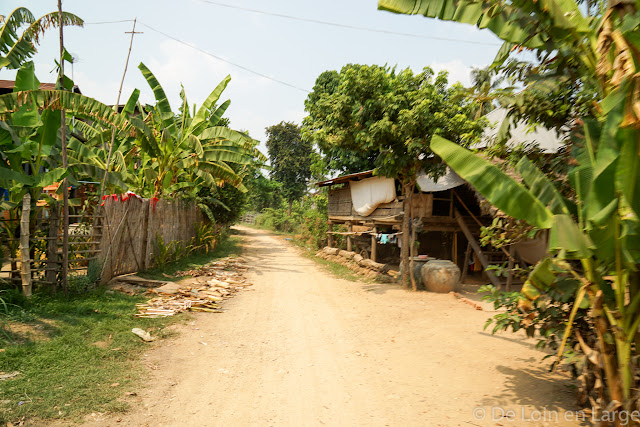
(308, 221)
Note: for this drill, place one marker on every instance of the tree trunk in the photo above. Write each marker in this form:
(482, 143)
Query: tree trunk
(25, 257)
(52, 247)
(404, 253)
(65, 164)
(374, 245)
(607, 352)
(412, 249)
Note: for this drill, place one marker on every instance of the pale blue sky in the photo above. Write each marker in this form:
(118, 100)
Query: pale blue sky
(293, 51)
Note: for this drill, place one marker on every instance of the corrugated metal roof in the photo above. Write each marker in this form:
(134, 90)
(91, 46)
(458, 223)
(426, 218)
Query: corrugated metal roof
(9, 84)
(547, 140)
(345, 178)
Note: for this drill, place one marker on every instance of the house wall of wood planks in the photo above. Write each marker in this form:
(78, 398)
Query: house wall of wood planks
(131, 229)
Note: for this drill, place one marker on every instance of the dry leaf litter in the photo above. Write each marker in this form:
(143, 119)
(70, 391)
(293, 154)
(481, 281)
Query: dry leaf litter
(218, 280)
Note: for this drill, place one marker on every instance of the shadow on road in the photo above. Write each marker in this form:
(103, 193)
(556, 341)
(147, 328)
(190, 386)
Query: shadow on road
(535, 387)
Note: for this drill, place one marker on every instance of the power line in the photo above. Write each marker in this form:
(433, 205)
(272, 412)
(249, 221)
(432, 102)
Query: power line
(351, 27)
(224, 60)
(108, 22)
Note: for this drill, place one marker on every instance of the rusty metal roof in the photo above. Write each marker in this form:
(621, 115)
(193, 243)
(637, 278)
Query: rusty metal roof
(9, 84)
(345, 178)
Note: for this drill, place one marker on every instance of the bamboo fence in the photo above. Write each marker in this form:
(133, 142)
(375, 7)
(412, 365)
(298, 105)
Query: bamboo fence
(132, 228)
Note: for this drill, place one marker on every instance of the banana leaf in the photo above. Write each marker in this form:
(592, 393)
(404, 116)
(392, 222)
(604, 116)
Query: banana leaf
(498, 188)
(199, 121)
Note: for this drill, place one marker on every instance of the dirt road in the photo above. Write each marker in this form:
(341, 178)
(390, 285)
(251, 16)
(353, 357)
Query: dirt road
(303, 348)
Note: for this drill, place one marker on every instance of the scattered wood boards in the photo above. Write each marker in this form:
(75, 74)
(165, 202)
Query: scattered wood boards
(225, 279)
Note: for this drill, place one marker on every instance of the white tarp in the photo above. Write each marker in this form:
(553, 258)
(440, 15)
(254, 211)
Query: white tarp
(367, 194)
(449, 180)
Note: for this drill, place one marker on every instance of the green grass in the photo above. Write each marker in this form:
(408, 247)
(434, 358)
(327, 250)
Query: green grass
(228, 247)
(62, 373)
(51, 341)
(338, 270)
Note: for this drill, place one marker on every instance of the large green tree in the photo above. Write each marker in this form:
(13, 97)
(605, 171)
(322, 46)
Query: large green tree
(370, 111)
(290, 158)
(336, 157)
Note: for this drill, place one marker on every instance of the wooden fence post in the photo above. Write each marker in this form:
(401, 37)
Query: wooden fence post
(349, 240)
(330, 234)
(145, 234)
(52, 247)
(25, 258)
(512, 254)
(374, 245)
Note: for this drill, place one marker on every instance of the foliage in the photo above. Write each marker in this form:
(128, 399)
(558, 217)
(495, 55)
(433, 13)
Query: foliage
(181, 154)
(314, 226)
(226, 203)
(165, 253)
(308, 220)
(92, 332)
(83, 283)
(226, 245)
(485, 90)
(546, 318)
(374, 112)
(506, 231)
(206, 237)
(594, 243)
(262, 192)
(17, 48)
(290, 159)
(366, 111)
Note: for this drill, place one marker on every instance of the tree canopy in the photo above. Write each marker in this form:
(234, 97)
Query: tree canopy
(290, 158)
(371, 116)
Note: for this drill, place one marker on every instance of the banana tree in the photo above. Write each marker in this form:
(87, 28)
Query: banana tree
(30, 157)
(186, 152)
(17, 48)
(595, 239)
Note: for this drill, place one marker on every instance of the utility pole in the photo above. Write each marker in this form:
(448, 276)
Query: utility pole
(133, 32)
(65, 163)
(113, 131)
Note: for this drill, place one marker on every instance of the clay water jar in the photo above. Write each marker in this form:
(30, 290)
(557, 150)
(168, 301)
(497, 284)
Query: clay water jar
(441, 276)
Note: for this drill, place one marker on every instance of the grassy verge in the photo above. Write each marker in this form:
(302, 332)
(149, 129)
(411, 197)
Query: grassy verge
(228, 247)
(338, 270)
(76, 354)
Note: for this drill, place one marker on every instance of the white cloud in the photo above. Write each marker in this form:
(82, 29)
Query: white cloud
(199, 73)
(104, 91)
(458, 72)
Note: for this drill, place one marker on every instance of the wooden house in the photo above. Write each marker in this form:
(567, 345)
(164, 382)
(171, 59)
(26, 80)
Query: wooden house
(447, 213)
(447, 216)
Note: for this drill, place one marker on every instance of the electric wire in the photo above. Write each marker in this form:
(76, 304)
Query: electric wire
(242, 67)
(108, 22)
(351, 27)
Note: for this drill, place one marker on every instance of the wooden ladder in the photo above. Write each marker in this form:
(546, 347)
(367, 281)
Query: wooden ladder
(486, 258)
